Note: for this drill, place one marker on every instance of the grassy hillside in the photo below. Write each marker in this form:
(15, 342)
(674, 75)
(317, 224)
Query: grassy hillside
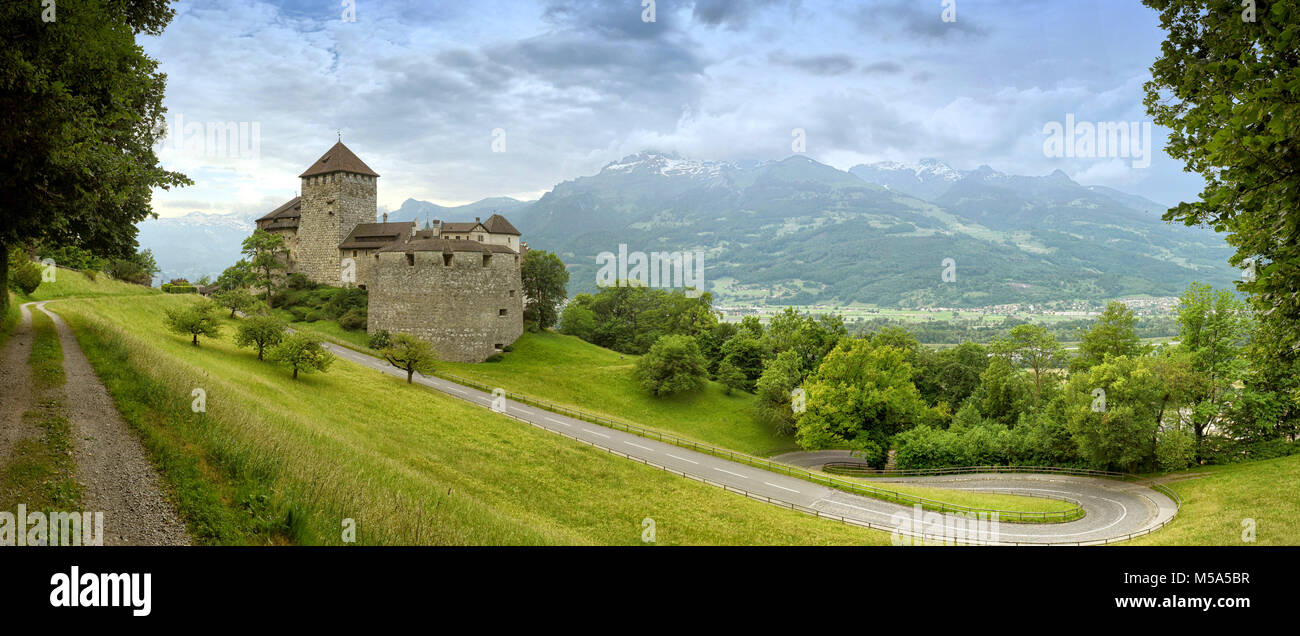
(1220, 498)
(273, 460)
(567, 370)
(70, 282)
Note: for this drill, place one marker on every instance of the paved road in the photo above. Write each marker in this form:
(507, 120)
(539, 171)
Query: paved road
(1114, 509)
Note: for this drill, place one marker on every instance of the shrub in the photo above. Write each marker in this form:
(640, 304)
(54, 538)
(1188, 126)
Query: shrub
(380, 339)
(353, 319)
(299, 281)
(343, 300)
(172, 288)
(90, 274)
(496, 357)
(24, 275)
(1175, 449)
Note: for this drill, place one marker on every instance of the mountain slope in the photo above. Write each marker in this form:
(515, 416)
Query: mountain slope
(797, 231)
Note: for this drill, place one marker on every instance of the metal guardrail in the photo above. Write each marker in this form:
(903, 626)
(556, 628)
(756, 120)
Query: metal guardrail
(859, 469)
(1011, 516)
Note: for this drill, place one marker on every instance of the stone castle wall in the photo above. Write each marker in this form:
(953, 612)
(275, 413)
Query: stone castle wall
(456, 307)
(332, 206)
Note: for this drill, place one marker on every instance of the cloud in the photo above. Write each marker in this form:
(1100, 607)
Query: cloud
(824, 65)
(734, 14)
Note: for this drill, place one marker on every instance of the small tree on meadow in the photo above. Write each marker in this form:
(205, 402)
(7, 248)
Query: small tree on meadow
(262, 331)
(235, 300)
(301, 353)
(409, 354)
(672, 365)
(195, 320)
(264, 249)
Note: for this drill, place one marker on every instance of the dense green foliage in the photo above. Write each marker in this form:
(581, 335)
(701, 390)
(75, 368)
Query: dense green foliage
(672, 365)
(84, 106)
(1227, 86)
(545, 280)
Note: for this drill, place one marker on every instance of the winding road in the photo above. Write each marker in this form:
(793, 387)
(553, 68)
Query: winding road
(1116, 510)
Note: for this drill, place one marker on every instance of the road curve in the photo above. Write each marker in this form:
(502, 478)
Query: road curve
(1115, 510)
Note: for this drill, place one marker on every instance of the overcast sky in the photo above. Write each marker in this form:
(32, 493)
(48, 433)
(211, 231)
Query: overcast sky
(418, 88)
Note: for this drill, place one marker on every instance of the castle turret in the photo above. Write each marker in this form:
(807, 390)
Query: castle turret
(338, 193)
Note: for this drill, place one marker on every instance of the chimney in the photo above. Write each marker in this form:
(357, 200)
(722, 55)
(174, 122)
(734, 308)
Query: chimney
(476, 219)
(385, 217)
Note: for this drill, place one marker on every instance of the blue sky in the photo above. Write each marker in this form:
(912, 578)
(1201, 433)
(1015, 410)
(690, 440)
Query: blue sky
(418, 87)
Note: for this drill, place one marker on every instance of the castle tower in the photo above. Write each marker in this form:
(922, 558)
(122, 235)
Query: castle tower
(338, 192)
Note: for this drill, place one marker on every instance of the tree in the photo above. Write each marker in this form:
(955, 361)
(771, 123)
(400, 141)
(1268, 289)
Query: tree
(139, 268)
(545, 280)
(1225, 86)
(859, 397)
(746, 353)
(234, 300)
(1112, 335)
(731, 377)
(198, 319)
(1213, 325)
(264, 250)
(672, 365)
(1003, 393)
(301, 352)
(260, 330)
(84, 110)
(1032, 347)
(774, 389)
(236, 276)
(1113, 411)
(409, 354)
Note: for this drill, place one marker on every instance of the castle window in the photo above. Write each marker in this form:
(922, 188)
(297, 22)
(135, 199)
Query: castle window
(512, 293)
(354, 253)
(499, 346)
(501, 312)
(487, 258)
(446, 259)
(410, 259)
(480, 238)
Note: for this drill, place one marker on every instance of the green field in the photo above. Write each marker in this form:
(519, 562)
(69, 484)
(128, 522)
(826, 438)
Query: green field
(989, 501)
(273, 460)
(567, 370)
(1221, 498)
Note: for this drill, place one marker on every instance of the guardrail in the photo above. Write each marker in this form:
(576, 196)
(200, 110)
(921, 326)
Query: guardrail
(1011, 516)
(859, 469)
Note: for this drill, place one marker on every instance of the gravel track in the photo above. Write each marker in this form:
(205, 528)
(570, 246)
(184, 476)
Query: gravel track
(17, 393)
(115, 472)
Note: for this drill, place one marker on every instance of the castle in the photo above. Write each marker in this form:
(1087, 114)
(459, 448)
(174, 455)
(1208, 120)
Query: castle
(456, 285)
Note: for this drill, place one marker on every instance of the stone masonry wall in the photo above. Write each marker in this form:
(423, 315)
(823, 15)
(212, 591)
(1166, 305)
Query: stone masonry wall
(332, 205)
(456, 308)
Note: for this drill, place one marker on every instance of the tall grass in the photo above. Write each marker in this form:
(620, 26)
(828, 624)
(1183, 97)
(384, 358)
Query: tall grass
(278, 461)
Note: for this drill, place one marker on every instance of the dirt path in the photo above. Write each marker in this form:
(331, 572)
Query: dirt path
(112, 466)
(16, 390)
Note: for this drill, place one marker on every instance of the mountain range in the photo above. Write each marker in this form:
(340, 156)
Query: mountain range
(796, 231)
